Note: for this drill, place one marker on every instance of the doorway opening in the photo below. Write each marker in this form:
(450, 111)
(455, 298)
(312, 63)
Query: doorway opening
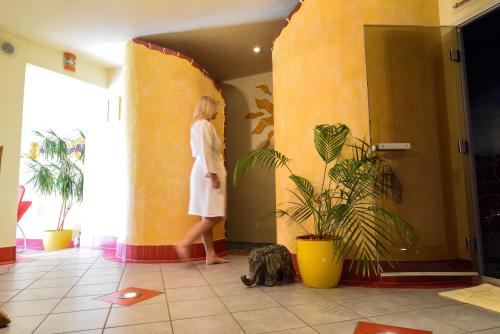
(56, 106)
(481, 49)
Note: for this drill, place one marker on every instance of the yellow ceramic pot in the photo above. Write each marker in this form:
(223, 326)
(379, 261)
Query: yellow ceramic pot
(317, 265)
(55, 240)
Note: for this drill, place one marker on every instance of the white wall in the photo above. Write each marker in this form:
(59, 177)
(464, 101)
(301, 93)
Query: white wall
(254, 197)
(105, 191)
(451, 16)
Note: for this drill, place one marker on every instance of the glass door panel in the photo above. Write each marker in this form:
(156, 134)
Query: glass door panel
(415, 97)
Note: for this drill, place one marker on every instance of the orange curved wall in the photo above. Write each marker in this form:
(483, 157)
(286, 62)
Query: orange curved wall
(319, 76)
(161, 93)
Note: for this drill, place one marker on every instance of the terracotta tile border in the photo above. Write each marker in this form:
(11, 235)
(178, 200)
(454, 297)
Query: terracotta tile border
(161, 253)
(7, 254)
(288, 18)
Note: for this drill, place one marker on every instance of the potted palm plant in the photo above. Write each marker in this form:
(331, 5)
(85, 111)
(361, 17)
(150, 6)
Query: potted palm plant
(349, 207)
(55, 165)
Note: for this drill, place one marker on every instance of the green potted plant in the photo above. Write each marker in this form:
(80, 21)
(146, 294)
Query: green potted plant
(348, 208)
(55, 166)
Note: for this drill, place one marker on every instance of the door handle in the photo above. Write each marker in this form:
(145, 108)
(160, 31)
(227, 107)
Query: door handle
(391, 147)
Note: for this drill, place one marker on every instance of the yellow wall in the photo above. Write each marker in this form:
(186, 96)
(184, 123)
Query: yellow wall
(162, 91)
(451, 16)
(319, 76)
(254, 197)
(12, 68)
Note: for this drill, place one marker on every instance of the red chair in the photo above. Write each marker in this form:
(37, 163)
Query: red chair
(22, 207)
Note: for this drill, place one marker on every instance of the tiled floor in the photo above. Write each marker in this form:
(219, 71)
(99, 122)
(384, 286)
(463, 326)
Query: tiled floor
(55, 293)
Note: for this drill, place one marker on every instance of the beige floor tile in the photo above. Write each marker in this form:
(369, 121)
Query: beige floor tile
(489, 331)
(343, 291)
(93, 289)
(66, 267)
(155, 328)
(134, 315)
(190, 293)
(282, 287)
(142, 276)
(297, 296)
(323, 313)
(23, 325)
(466, 317)
(74, 304)
(233, 289)
(183, 282)
(416, 320)
(229, 275)
(73, 321)
(304, 330)
(340, 327)
(99, 279)
(372, 306)
(6, 295)
(54, 282)
(35, 294)
(108, 264)
(139, 267)
(170, 267)
(247, 302)
(216, 324)
(268, 320)
(92, 331)
(196, 308)
(32, 307)
(28, 269)
(19, 276)
(15, 285)
(65, 273)
(104, 271)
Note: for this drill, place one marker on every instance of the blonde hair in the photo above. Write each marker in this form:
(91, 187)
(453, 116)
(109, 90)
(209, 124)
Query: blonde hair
(205, 108)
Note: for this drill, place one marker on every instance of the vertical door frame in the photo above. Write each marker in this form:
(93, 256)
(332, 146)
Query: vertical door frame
(475, 225)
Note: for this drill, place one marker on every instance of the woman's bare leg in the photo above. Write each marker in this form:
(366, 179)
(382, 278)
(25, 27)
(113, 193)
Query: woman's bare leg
(204, 230)
(212, 257)
(196, 231)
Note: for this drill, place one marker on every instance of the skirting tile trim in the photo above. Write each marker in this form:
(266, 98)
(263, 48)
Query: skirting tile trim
(7, 254)
(163, 253)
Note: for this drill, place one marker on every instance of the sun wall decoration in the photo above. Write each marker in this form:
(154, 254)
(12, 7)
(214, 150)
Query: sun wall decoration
(266, 119)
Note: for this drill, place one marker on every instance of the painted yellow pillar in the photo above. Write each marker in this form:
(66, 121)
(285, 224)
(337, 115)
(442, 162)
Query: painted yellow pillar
(161, 91)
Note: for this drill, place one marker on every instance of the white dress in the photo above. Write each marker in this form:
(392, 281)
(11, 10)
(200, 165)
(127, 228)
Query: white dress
(204, 200)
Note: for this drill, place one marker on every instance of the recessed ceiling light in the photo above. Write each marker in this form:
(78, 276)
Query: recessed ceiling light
(256, 49)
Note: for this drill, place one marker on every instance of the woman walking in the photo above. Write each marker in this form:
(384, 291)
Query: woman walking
(207, 197)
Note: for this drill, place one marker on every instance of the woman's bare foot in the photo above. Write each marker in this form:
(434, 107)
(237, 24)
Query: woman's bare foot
(182, 252)
(215, 260)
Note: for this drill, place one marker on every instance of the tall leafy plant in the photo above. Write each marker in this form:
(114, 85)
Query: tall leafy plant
(55, 165)
(350, 203)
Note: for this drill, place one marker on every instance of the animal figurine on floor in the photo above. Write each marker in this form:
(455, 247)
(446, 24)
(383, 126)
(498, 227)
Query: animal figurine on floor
(269, 265)
(4, 319)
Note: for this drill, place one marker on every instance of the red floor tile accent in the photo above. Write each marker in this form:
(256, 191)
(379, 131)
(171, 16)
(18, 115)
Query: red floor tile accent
(369, 328)
(8, 254)
(115, 297)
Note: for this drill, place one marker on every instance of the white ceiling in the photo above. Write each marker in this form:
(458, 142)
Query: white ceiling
(98, 29)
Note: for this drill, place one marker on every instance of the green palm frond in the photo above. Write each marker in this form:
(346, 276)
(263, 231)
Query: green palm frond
(57, 172)
(263, 158)
(304, 186)
(329, 140)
